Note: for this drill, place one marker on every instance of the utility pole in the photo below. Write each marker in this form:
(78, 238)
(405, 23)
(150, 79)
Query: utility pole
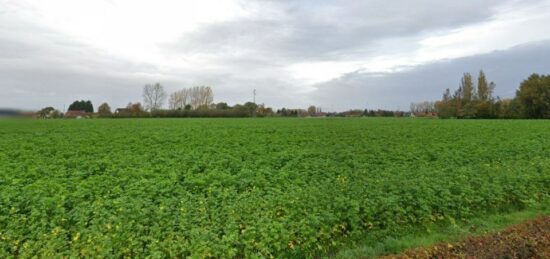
(254, 100)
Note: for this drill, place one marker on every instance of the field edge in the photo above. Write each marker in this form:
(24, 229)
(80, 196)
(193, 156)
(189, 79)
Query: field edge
(447, 233)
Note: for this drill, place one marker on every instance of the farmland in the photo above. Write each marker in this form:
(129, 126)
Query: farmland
(255, 187)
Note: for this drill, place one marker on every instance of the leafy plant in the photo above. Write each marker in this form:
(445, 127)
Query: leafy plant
(255, 188)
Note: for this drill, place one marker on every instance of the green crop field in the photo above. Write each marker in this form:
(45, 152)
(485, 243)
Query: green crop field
(255, 187)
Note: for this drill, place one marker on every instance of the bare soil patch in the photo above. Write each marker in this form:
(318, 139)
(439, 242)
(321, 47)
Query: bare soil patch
(527, 240)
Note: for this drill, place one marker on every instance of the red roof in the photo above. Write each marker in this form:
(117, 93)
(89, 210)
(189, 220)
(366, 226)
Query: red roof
(74, 114)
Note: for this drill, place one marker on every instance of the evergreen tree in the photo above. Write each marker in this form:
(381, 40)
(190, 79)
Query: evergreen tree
(88, 106)
(82, 106)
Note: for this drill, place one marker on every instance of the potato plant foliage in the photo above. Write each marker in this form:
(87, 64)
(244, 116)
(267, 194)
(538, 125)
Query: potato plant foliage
(254, 187)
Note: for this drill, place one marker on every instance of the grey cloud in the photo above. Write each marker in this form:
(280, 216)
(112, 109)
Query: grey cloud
(397, 90)
(318, 30)
(40, 67)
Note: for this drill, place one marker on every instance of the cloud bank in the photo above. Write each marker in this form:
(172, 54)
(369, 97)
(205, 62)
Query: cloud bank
(334, 54)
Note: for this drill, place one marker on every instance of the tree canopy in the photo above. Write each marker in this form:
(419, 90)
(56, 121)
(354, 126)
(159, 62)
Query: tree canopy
(534, 96)
(82, 106)
(532, 100)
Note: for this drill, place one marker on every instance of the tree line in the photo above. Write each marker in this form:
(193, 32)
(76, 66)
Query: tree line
(471, 100)
(195, 101)
(474, 98)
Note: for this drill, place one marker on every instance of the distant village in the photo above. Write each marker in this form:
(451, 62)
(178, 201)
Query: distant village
(469, 101)
(193, 102)
(50, 113)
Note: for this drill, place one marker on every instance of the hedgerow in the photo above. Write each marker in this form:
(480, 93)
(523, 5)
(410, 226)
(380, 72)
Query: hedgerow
(254, 187)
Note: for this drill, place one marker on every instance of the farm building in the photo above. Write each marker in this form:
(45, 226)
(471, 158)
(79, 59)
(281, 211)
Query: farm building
(76, 114)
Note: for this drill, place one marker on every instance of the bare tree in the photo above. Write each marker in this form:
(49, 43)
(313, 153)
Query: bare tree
(179, 99)
(196, 97)
(184, 97)
(207, 97)
(153, 96)
(173, 101)
(423, 107)
(201, 97)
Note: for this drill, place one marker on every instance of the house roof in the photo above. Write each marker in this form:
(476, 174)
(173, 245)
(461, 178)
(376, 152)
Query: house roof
(75, 113)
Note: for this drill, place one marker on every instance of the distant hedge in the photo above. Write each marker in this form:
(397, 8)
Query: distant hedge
(231, 113)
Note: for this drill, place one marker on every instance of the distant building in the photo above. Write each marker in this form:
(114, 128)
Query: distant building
(320, 114)
(353, 113)
(424, 114)
(76, 114)
(123, 111)
(299, 112)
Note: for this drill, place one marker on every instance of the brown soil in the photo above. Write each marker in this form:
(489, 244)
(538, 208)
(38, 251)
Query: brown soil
(528, 240)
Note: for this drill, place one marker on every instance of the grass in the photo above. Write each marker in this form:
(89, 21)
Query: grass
(444, 233)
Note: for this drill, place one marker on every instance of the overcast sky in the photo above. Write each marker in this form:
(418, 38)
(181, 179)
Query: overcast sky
(334, 54)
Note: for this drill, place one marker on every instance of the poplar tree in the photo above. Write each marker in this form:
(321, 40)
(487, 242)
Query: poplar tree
(482, 87)
(467, 85)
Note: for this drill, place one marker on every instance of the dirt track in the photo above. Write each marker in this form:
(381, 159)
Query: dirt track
(528, 240)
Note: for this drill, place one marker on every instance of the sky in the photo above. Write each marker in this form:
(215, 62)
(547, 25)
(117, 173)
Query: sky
(337, 55)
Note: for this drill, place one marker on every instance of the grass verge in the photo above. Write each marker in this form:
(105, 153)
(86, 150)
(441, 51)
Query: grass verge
(444, 233)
